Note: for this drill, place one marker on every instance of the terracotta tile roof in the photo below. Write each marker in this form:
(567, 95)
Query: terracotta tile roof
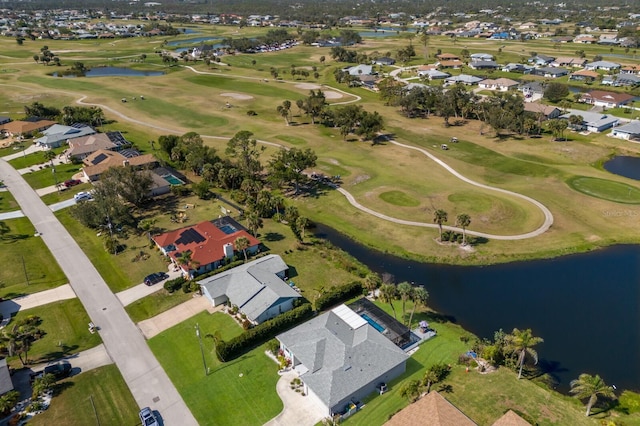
(19, 127)
(511, 419)
(430, 410)
(207, 247)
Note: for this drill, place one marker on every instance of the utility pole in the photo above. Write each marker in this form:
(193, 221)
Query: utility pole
(204, 361)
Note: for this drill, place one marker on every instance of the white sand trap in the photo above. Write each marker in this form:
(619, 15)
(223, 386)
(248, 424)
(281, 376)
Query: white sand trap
(237, 96)
(308, 86)
(330, 94)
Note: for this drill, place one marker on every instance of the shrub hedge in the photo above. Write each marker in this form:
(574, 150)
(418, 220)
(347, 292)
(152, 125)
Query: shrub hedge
(338, 294)
(174, 284)
(228, 350)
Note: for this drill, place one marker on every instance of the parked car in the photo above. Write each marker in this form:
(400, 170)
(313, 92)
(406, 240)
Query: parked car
(147, 417)
(72, 182)
(155, 278)
(83, 196)
(59, 370)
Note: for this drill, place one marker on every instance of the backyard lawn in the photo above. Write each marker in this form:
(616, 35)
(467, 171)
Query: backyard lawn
(75, 398)
(240, 392)
(29, 266)
(65, 325)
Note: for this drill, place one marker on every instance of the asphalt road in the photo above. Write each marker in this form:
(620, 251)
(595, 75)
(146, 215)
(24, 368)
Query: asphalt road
(144, 376)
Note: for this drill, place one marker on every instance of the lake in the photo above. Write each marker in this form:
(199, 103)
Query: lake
(624, 166)
(196, 40)
(585, 306)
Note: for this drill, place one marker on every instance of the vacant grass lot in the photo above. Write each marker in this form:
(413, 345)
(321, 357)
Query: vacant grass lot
(28, 266)
(65, 323)
(7, 202)
(240, 392)
(72, 402)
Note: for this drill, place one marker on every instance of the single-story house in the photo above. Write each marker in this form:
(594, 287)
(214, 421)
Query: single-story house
(603, 65)
(4, 119)
(627, 80)
(584, 75)
(585, 39)
(521, 68)
(385, 60)
(481, 57)
(100, 161)
(359, 70)
(452, 63)
(6, 384)
(531, 88)
(540, 60)
(593, 121)
(627, 131)
(82, 147)
(430, 410)
(468, 80)
(484, 65)
(547, 111)
(23, 128)
(562, 39)
(447, 57)
(510, 418)
(501, 84)
(58, 134)
(257, 288)
(630, 69)
(606, 99)
(433, 74)
(341, 358)
(208, 243)
(566, 61)
(550, 72)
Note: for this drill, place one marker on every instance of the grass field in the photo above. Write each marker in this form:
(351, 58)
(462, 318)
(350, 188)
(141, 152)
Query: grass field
(29, 266)
(7, 202)
(65, 323)
(238, 392)
(606, 189)
(33, 159)
(43, 176)
(75, 398)
(155, 304)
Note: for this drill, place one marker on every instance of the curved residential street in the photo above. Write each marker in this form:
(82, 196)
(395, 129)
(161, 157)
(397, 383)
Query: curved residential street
(144, 376)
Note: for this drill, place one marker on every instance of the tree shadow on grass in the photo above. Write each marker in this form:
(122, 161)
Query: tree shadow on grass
(273, 236)
(64, 352)
(60, 387)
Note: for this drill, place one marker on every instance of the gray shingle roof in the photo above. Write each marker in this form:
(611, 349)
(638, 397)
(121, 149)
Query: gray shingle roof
(341, 360)
(633, 128)
(254, 287)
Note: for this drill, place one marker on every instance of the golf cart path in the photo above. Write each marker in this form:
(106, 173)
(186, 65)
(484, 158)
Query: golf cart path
(548, 216)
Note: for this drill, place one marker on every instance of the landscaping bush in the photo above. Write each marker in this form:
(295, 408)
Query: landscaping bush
(338, 294)
(228, 350)
(174, 284)
(273, 346)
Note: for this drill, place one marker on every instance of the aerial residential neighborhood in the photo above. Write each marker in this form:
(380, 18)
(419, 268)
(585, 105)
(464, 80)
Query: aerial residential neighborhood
(319, 213)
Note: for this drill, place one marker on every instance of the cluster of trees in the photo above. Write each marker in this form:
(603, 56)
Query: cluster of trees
(272, 37)
(16, 339)
(389, 292)
(93, 116)
(434, 374)
(46, 56)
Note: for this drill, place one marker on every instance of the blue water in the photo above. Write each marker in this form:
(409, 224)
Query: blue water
(624, 166)
(384, 32)
(188, 31)
(114, 72)
(173, 180)
(373, 323)
(228, 229)
(196, 40)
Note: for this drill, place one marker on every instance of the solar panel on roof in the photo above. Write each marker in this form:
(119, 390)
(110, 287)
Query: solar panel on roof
(118, 139)
(99, 159)
(189, 236)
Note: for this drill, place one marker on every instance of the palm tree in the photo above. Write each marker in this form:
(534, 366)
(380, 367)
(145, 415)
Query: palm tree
(430, 377)
(405, 291)
(389, 293)
(254, 222)
(440, 216)
(463, 220)
(302, 223)
(284, 110)
(49, 156)
(8, 401)
(186, 260)
(372, 282)
(419, 296)
(521, 342)
(588, 386)
(242, 243)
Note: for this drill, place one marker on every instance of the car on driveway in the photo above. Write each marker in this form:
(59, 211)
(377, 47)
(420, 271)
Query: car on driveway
(155, 278)
(72, 182)
(83, 196)
(59, 370)
(147, 417)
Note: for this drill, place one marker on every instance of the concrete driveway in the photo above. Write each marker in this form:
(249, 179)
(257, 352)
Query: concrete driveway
(298, 410)
(174, 316)
(11, 306)
(132, 294)
(148, 382)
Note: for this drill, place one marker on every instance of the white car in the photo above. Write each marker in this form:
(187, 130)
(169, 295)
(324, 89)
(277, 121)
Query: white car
(82, 196)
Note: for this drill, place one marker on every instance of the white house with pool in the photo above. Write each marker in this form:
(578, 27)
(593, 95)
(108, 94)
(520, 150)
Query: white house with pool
(341, 358)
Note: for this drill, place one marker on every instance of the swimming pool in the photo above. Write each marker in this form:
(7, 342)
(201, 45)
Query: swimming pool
(228, 229)
(172, 179)
(372, 322)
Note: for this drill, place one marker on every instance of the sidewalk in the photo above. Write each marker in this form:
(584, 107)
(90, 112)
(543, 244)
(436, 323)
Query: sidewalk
(159, 323)
(9, 307)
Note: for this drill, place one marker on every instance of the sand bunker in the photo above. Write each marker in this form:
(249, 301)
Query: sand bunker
(330, 94)
(308, 86)
(237, 96)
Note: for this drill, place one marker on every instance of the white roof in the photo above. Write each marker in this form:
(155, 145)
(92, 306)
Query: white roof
(347, 315)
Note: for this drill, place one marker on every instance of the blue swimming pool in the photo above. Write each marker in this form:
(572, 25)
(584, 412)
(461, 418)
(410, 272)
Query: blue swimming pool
(372, 322)
(228, 229)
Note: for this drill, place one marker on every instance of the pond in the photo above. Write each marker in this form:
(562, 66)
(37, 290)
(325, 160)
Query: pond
(626, 166)
(196, 40)
(115, 72)
(585, 306)
(385, 32)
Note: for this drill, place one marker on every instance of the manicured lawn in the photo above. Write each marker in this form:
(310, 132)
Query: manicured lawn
(606, 189)
(7, 202)
(65, 193)
(240, 392)
(399, 198)
(155, 304)
(484, 398)
(44, 177)
(65, 323)
(120, 271)
(33, 158)
(28, 266)
(72, 401)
